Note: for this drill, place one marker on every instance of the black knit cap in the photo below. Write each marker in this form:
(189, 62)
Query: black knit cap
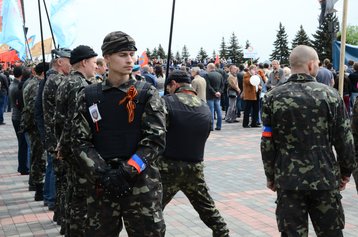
(179, 76)
(80, 53)
(117, 41)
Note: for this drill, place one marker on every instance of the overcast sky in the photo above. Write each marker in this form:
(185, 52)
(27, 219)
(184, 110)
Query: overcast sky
(197, 23)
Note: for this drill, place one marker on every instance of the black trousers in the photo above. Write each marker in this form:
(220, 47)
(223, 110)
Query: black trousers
(22, 148)
(253, 107)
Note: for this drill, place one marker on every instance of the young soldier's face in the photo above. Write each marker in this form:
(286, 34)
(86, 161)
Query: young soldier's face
(121, 62)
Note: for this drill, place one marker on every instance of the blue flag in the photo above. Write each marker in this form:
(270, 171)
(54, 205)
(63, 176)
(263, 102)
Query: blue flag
(11, 28)
(64, 22)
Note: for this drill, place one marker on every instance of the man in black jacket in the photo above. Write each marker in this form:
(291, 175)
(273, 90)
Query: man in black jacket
(214, 89)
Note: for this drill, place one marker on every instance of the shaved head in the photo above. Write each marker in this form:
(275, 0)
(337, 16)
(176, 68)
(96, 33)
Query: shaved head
(303, 59)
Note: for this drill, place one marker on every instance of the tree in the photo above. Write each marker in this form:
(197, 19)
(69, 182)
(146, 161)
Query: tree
(154, 54)
(301, 38)
(202, 54)
(281, 51)
(161, 52)
(247, 44)
(352, 35)
(223, 49)
(178, 57)
(234, 50)
(324, 36)
(185, 53)
(214, 54)
(149, 54)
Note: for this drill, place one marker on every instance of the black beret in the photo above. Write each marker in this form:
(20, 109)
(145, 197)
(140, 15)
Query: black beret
(117, 41)
(39, 68)
(80, 53)
(179, 76)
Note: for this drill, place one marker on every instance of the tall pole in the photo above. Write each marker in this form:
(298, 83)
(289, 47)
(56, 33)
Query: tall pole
(42, 39)
(49, 22)
(28, 50)
(169, 48)
(343, 47)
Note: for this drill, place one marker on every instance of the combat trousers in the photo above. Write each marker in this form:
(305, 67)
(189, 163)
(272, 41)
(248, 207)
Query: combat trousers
(323, 206)
(141, 210)
(189, 178)
(38, 158)
(76, 198)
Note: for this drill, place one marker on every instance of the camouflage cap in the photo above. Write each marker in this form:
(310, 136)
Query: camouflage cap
(61, 53)
(117, 41)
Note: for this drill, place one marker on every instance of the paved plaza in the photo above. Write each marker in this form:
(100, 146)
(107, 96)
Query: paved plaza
(234, 173)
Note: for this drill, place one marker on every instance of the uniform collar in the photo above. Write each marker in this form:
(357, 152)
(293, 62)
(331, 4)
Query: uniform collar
(301, 77)
(185, 89)
(107, 85)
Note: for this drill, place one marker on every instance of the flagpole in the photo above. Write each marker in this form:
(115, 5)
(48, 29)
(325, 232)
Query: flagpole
(169, 48)
(42, 39)
(49, 22)
(25, 29)
(343, 47)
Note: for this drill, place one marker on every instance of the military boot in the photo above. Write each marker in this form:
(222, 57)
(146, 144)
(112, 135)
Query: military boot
(39, 194)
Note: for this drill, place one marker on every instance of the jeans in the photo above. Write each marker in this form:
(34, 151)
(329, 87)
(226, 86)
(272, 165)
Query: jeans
(50, 182)
(214, 106)
(22, 152)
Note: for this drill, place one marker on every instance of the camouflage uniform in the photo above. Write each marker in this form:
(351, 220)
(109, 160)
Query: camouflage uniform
(355, 136)
(141, 210)
(38, 160)
(49, 106)
(76, 192)
(188, 176)
(303, 119)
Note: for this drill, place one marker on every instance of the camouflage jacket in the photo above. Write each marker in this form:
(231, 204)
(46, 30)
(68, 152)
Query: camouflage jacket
(153, 130)
(355, 128)
(28, 112)
(65, 106)
(303, 120)
(49, 106)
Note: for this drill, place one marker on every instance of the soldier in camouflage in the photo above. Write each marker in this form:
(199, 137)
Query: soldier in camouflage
(118, 132)
(303, 120)
(355, 136)
(61, 67)
(83, 61)
(189, 123)
(38, 160)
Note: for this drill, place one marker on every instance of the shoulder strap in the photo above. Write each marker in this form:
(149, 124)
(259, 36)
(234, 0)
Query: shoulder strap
(93, 94)
(142, 88)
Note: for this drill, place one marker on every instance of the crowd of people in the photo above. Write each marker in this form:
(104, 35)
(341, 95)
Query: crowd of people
(102, 138)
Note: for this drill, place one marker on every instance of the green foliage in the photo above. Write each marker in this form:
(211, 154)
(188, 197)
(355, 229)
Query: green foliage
(185, 53)
(202, 54)
(301, 38)
(234, 51)
(281, 50)
(161, 52)
(154, 53)
(214, 54)
(177, 57)
(149, 53)
(324, 36)
(352, 35)
(223, 49)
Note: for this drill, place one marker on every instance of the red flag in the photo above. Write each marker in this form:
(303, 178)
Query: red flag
(217, 59)
(143, 59)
